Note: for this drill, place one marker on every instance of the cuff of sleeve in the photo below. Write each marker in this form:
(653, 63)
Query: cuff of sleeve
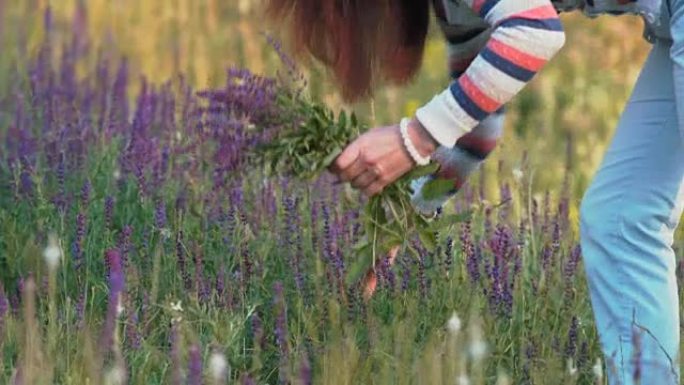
(438, 118)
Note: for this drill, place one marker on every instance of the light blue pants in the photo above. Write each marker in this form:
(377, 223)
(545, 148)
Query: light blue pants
(628, 219)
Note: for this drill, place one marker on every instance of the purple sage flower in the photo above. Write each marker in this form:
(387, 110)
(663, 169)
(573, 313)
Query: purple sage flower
(280, 330)
(176, 367)
(160, 215)
(116, 289)
(195, 366)
(109, 211)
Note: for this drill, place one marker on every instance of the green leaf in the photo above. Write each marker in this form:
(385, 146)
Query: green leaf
(422, 171)
(437, 188)
(359, 265)
(362, 243)
(428, 238)
(342, 120)
(450, 220)
(328, 160)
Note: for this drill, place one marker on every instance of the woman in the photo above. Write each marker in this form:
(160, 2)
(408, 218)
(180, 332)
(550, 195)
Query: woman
(632, 208)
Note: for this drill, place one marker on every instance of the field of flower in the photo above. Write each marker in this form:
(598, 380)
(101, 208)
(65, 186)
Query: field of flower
(139, 244)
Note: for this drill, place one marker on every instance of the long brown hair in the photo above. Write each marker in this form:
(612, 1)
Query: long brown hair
(362, 42)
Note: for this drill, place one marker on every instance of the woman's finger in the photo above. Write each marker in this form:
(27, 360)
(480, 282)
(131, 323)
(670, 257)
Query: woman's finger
(346, 158)
(374, 188)
(366, 178)
(355, 169)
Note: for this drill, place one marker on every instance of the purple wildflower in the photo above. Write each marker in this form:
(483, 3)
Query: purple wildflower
(15, 303)
(422, 277)
(583, 356)
(195, 366)
(116, 287)
(60, 174)
(133, 330)
(305, 377)
(200, 285)
(180, 259)
(556, 236)
(85, 194)
(257, 331)
(109, 211)
(389, 279)
(247, 267)
(571, 266)
(314, 225)
(470, 254)
(280, 330)
(220, 288)
(547, 253)
(77, 244)
(176, 368)
(247, 380)
(125, 243)
(160, 215)
(535, 213)
(80, 311)
(448, 255)
(26, 184)
(571, 344)
(546, 213)
(405, 275)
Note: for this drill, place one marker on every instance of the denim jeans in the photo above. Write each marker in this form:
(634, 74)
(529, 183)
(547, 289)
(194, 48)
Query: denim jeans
(628, 219)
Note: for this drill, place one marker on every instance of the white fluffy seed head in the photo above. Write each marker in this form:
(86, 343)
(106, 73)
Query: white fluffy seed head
(517, 174)
(52, 253)
(115, 376)
(598, 369)
(572, 368)
(463, 379)
(218, 366)
(478, 346)
(503, 379)
(177, 307)
(454, 325)
(119, 307)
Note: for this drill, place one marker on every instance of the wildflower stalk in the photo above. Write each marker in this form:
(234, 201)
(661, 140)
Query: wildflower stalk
(52, 311)
(52, 255)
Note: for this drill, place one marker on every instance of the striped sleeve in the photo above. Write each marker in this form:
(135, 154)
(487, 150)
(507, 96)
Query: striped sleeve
(525, 35)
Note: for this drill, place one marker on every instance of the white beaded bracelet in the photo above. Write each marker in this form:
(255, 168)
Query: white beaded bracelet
(408, 144)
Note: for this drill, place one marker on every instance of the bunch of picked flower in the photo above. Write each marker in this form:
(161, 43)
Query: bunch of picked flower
(306, 143)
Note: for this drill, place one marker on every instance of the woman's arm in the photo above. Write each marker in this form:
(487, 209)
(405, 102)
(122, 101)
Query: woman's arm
(526, 34)
(464, 42)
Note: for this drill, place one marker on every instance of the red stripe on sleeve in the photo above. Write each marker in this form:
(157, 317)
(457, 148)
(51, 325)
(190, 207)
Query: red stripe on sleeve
(482, 100)
(481, 145)
(543, 12)
(477, 5)
(516, 56)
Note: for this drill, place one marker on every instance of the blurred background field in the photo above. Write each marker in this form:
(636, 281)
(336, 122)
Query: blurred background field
(235, 266)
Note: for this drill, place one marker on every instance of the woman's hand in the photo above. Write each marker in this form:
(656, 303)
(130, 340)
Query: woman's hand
(378, 157)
